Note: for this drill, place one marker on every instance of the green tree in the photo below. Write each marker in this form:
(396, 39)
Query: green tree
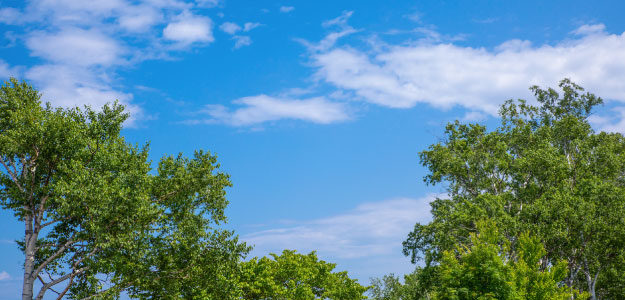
(417, 286)
(387, 288)
(543, 170)
(298, 277)
(97, 220)
(486, 268)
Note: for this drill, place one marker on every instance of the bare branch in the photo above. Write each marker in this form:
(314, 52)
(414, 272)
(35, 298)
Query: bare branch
(40, 212)
(49, 223)
(41, 279)
(57, 281)
(12, 164)
(13, 176)
(55, 255)
(69, 284)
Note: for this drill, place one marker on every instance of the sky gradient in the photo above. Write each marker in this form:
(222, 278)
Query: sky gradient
(317, 109)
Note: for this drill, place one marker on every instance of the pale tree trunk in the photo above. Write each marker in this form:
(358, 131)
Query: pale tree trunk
(30, 237)
(591, 287)
(591, 281)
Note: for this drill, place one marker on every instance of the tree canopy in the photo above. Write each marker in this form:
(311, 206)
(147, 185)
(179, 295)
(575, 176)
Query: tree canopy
(97, 219)
(487, 268)
(298, 277)
(544, 170)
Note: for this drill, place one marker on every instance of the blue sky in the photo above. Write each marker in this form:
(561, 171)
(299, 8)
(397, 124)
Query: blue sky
(317, 109)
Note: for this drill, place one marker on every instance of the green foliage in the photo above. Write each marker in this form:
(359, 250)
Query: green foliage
(296, 276)
(415, 287)
(387, 288)
(97, 219)
(543, 170)
(487, 269)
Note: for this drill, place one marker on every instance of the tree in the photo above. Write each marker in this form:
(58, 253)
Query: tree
(417, 286)
(387, 288)
(97, 220)
(298, 277)
(487, 269)
(543, 170)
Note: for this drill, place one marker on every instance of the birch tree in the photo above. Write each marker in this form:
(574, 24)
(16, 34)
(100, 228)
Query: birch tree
(97, 220)
(544, 170)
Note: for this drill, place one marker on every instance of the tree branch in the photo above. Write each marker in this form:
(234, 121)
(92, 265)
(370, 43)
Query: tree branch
(13, 176)
(69, 284)
(55, 255)
(57, 281)
(40, 212)
(104, 291)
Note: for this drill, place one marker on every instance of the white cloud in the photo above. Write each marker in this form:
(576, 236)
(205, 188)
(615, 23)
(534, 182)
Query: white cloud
(207, 3)
(340, 20)
(286, 9)
(263, 108)
(330, 40)
(589, 29)
(10, 15)
(474, 116)
(485, 20)
(241, 41)
(370, 229)
(78, 69)
(74, 46)
(72, 12)
(140, 18)
(250, 25)
(414, 16)
(4, 276)
(7, 71)
(229, 27)
(444, 75)
(613, 121)
(367, 238)
(67, 86)
(83, 43)
(189, 28)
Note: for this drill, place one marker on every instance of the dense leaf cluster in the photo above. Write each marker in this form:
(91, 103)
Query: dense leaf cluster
(298, 277)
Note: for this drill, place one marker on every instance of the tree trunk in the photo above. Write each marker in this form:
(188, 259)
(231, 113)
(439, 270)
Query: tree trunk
(592, 282)
(29, 263)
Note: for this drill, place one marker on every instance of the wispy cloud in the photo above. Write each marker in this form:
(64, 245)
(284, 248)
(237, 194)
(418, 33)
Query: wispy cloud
(485, 20)
(250, 25)
(263, 108)
(286, 9)
(370, 229)
(611, 121)
(7, 71)
(368, 237)
(340, 29)
(239, 40)
(10, 15)
(207, 3)
(229, 27)
(4, 276)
